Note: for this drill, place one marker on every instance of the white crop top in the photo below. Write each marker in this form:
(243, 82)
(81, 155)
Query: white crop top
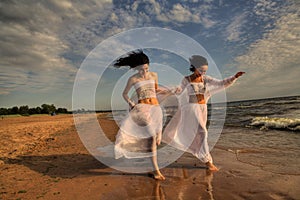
(145, 89)
(213, 84)
(194, 88)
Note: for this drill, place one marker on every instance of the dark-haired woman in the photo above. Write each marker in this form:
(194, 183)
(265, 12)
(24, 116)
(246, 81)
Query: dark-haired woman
(187, 129)
(140, 132)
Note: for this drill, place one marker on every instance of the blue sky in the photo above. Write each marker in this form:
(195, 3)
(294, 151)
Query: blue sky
(43, 44)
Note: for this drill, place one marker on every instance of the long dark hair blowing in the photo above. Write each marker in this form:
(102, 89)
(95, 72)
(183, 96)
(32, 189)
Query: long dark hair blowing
(133, 59)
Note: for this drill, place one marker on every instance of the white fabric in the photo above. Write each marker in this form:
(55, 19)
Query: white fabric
(208, 87)
(196, 88)
(187, 129)
(138, 131)
(142, 83)
(145, 89)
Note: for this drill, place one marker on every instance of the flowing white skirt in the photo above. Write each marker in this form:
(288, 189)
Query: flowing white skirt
(138, 131)
(187, 131)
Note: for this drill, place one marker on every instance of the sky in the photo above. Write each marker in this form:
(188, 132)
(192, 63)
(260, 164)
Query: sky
(44, 43)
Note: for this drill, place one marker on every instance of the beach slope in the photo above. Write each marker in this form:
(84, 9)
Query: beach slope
(42, 157)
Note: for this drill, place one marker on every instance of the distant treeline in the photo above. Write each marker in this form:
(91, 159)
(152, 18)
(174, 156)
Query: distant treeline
(25, 110)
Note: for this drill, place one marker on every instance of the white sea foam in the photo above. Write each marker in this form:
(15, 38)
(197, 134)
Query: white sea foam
(276, 123)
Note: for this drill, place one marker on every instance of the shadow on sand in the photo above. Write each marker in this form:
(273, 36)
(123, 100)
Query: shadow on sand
(66, 165)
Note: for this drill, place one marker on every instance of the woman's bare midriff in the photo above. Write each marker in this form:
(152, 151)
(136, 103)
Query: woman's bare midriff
(197, 98)
(151, 101)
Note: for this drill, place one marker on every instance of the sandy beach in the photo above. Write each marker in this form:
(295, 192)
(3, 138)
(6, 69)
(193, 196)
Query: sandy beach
(42, 157)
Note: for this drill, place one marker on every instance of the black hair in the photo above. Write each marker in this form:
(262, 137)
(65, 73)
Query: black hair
(133, 59)
(197, 61)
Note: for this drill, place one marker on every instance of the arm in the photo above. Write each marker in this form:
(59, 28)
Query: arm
(182, 86)
(226, 82)
(125, 93)
(160, 90)
(154, 75)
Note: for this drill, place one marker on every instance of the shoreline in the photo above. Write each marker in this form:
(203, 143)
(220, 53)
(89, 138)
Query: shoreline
(43, 158)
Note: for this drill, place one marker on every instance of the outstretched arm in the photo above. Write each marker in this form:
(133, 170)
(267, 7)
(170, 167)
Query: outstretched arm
(226, 82)
(161, 92)
(218, 85)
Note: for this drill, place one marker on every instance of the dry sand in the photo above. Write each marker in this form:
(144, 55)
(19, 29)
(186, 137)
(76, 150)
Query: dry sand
(42, 157)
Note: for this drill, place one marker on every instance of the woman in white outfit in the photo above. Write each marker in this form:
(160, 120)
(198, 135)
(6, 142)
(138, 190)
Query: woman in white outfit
(140, 132)
(187, 129)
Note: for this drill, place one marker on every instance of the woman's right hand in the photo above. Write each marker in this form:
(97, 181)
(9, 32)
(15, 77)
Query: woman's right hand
(131, 105)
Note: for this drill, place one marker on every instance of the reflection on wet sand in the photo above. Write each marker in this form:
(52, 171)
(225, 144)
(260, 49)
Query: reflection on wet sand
(199, 178)
(158, 192)
(209, 178)
(186, 184)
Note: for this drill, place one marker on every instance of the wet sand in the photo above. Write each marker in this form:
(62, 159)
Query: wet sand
(42, 157)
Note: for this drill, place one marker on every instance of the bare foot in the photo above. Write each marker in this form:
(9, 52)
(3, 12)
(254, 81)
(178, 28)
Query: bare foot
(158, 176)
(211, 167)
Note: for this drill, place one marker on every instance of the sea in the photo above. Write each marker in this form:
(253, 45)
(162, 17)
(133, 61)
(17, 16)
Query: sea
(262, 132)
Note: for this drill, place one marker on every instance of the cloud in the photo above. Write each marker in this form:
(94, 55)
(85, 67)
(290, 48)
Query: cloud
(174, 13)
(33, 42)
(36, 54)
(182, 14)
(266, 9)
(138, 14)
(44, 42)
(234, 29)
(272, 62)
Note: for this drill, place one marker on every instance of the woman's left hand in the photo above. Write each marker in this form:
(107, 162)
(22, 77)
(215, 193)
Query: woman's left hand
(239, 74)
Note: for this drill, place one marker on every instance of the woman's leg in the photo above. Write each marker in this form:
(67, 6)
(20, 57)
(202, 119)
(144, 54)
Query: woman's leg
(204, 152)
(157, 174)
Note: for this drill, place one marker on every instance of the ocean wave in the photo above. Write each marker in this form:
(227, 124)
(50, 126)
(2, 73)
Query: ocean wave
(276, 123)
